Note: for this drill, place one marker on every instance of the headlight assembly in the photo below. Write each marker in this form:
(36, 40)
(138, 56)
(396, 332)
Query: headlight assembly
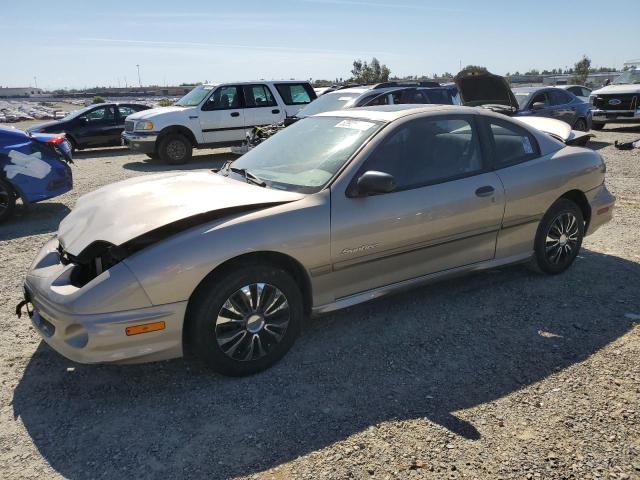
(144, 125)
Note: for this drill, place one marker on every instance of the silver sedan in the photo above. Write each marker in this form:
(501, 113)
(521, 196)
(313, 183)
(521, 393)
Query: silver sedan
(335, 210)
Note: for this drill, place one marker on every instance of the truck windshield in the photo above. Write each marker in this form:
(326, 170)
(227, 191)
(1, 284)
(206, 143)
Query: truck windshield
(306, 155)
(195, 96)
(630, 76)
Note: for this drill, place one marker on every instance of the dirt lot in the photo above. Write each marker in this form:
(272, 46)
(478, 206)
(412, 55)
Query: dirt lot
(503, 374)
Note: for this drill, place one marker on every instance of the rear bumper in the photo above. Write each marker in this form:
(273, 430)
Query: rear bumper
(602, 203)
(617, 116)
(143, 142)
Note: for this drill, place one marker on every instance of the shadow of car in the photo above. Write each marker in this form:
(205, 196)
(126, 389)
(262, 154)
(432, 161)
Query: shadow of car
(420, 354)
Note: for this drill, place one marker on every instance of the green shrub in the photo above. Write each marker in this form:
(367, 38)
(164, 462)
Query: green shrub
(97, 99)
(165, 102)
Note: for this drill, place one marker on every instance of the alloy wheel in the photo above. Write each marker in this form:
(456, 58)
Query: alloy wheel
(562, 238)
(252, 321)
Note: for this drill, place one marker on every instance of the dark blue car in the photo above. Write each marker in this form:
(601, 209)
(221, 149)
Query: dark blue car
(553, 102)
(33, 167)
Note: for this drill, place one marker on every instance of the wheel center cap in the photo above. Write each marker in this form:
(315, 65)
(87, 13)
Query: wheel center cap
(563, 239)
(255, 322)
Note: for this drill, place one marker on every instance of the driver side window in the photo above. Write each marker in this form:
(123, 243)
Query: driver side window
(223, 98)
(102, 114)
(541, 98)
(428, 151)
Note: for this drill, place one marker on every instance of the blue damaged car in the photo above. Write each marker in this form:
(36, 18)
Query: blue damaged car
(33, 167)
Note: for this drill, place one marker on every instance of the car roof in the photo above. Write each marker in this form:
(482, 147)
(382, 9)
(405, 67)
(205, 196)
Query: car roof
(209, 84)
(389, 113)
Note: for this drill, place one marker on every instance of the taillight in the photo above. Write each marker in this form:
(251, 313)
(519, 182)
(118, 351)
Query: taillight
(56, 140)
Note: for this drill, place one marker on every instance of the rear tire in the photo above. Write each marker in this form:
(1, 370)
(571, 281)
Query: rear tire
(7, 200)
(559, 237)
(246, 319)
(597, 126)
(175, 149)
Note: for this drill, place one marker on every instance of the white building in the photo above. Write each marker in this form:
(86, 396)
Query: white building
(19, 92)
(635, 63)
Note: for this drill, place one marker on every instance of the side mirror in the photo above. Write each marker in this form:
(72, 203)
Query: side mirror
(537, 106)
(372, 182)
(83, 120)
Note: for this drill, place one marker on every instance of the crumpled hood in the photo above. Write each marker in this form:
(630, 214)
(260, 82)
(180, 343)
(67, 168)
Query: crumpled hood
(480, 87)
(125, 210)
(154, 112)
(38, 126)
(613, 89)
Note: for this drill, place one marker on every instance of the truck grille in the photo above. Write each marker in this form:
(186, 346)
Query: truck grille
(128, 126)
(627, 101)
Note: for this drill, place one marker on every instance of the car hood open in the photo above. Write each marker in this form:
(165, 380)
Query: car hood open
(123, 211)
(480, 87)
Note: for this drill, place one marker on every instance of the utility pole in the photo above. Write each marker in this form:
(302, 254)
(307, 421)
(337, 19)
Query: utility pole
(35, 80)
(139, 82)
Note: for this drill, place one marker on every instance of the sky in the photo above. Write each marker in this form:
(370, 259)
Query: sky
(78, 44)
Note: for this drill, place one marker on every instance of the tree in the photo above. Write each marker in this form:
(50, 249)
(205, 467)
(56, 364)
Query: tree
(97, 99)
(374, 72)
(581, 70)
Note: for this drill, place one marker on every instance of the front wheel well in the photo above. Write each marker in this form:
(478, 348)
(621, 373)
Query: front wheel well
(287, 263)
(177, 129)
(578, 197)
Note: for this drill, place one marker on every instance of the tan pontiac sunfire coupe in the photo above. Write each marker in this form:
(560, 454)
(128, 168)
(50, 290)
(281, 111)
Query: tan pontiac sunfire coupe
(334, 210)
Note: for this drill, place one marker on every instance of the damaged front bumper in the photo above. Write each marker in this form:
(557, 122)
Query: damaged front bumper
(95, 323)
(143, 142)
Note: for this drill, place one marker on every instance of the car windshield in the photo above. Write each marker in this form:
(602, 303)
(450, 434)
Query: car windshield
(328, 103)
(630, 76)
(522, 98)
(306, 155)
(195, 96)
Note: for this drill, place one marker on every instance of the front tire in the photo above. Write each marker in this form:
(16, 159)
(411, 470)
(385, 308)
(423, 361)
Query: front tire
(175, 149)
(7, 200)
(597, 126)
(244, 321)
(559, 237)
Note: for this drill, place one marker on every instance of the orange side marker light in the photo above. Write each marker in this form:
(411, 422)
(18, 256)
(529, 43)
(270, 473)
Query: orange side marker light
(145, 328)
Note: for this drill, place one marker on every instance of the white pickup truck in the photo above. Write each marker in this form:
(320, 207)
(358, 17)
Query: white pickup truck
(213, 116)
(618, 102)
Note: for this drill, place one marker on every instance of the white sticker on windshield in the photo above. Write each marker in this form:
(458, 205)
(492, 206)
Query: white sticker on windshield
(355, 125)
(526, 144)
(344, 99)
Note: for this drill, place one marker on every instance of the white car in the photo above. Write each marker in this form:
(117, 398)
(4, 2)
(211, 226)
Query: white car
(213, 116)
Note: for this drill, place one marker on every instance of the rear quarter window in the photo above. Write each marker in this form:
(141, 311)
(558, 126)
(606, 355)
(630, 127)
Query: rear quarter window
(511, 144)
(296, 93)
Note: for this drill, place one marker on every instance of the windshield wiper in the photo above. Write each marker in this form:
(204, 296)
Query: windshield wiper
(248, 176)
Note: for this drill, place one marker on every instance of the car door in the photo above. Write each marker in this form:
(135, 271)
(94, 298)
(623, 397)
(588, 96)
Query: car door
(261, 107)
(445, 211)
(98, 127)
(295, 96)
(562, 106)
(516, 160)
(222, 116)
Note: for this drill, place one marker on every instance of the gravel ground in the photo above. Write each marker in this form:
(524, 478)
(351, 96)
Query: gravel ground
(502, 374)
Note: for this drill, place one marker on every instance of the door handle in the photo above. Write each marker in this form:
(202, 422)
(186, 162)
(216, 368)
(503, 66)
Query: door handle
(235, 114)
(485, 191)
(276, 111)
